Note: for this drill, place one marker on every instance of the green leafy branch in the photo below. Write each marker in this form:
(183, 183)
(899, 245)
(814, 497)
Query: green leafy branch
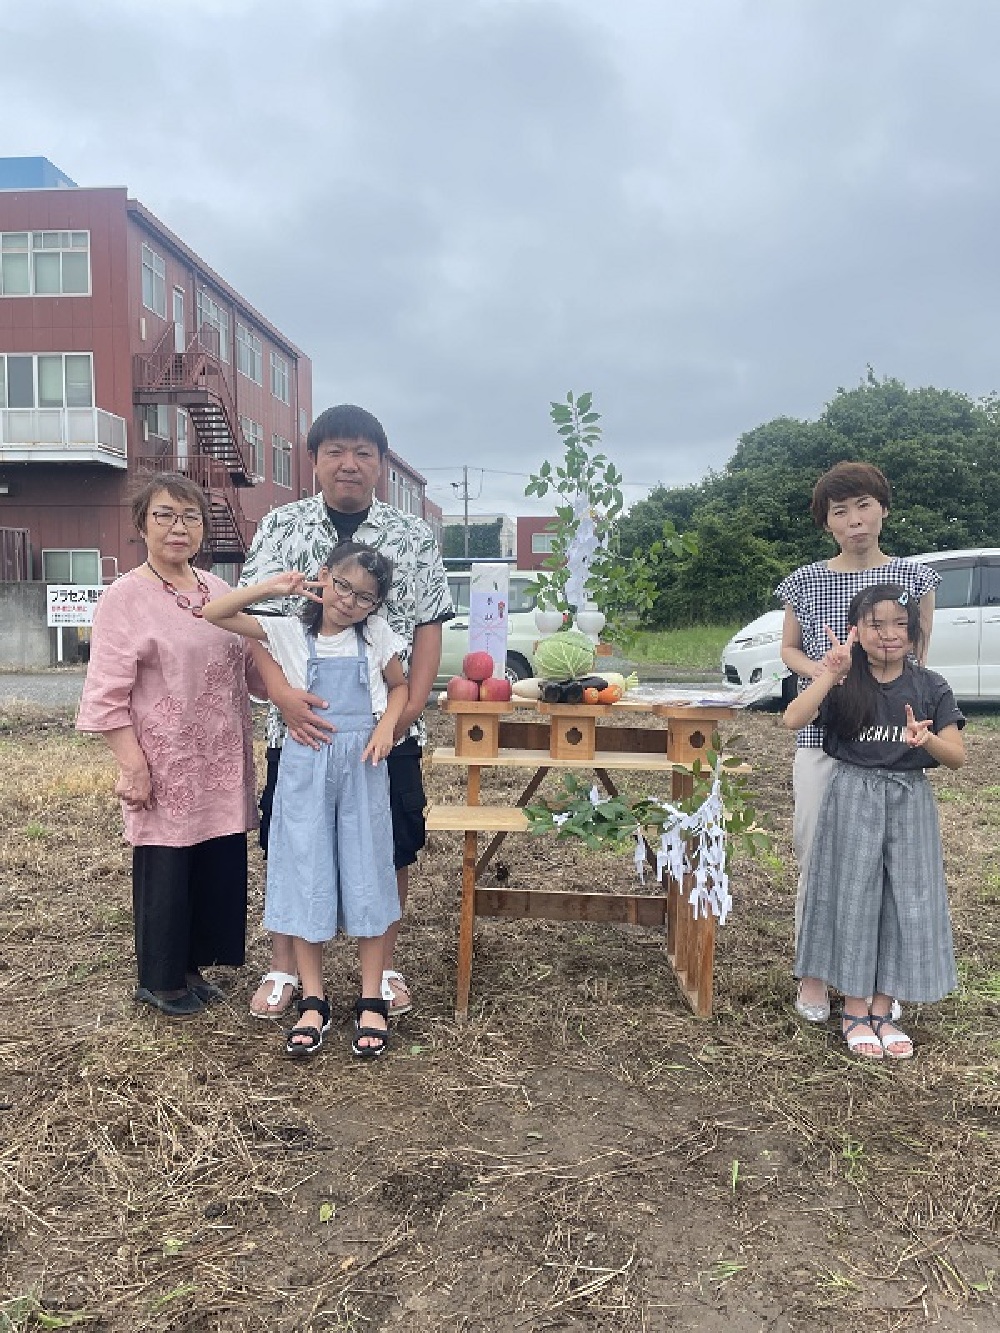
(622, 588)
(613, 823)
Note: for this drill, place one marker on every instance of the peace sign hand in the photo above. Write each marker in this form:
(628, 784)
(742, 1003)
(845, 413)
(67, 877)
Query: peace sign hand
(292, 583)
(838, 660)
(916, 731)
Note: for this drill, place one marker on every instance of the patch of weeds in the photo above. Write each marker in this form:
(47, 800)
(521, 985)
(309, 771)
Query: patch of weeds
(990, 793)
(949, 796)
(36, 831)
(24, 1313)
(720, 1273)
(986, 722)
(991, 887)
(977, 982)
(853, 1151)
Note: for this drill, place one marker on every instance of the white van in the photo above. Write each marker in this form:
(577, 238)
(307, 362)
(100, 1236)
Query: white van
(965, 641)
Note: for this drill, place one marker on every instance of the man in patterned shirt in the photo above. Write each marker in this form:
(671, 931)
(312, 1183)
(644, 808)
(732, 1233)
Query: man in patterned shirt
(849, 502)
(347, 446)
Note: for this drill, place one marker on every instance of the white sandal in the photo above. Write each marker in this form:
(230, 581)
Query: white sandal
(278, 980)
(396, 1005)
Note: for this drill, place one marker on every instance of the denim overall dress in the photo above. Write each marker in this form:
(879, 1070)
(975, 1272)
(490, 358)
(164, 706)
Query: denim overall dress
(329, 862)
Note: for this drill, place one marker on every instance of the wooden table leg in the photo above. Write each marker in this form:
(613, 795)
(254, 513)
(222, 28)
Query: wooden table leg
(467, 907)
(466, 921)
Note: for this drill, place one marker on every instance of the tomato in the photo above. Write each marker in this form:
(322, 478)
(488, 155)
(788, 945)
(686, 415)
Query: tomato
(591, 696)
(610, 695)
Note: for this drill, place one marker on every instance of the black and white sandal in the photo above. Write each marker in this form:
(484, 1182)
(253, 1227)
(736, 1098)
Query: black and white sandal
(314, 1035)
(366, 1005)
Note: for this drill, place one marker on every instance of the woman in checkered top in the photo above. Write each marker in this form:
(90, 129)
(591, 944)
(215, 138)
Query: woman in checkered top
(850, 502)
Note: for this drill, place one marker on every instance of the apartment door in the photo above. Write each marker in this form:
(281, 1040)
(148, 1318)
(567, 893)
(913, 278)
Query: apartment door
(180, 339)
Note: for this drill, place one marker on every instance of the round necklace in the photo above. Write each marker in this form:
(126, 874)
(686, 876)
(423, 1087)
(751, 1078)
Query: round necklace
(182, 600)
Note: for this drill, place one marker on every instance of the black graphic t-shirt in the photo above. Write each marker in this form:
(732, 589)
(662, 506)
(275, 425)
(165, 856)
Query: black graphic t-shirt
(883, 745)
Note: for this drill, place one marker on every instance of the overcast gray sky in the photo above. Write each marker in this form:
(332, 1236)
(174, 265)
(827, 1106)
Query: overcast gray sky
(708, 212)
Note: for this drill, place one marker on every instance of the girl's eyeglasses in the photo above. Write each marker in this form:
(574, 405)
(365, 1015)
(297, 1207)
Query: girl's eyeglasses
(166, 518)
(347, 590)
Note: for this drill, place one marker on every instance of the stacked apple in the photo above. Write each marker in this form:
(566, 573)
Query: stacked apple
(477, 681)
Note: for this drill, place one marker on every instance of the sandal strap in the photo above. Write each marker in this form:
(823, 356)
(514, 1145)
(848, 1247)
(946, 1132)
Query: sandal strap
(851, 1021)
(370, 1005)
(315, 1040)
(317, 1004)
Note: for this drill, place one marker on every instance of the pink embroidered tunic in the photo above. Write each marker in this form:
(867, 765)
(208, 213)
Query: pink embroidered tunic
(181, 684)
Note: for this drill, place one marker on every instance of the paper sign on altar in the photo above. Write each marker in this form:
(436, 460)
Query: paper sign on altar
(488, 613)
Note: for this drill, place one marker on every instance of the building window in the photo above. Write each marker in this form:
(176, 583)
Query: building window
(541, 543)
(156, 420)
(213, 326)
(281, 461)
(51, 379)
(154, 282)
(249, 354)
(45, 263)
(279, 378)
(253, 433)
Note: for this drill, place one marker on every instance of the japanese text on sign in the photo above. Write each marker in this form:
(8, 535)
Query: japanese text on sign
(72, 604)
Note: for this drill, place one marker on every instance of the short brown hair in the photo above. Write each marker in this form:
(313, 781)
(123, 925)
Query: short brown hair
(180, 487)
(848, 481)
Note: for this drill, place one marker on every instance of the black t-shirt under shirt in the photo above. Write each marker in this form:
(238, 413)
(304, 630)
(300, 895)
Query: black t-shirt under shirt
(883, 745)
(346, 524)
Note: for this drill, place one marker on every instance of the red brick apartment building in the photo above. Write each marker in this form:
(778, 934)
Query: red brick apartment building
(121, 351)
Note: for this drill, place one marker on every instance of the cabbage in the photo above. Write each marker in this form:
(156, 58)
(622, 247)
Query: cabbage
(565, 655)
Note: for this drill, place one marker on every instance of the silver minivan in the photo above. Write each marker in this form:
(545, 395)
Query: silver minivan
(965, 641)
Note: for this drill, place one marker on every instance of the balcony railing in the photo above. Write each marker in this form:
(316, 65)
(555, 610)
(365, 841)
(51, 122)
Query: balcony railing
(62, 434)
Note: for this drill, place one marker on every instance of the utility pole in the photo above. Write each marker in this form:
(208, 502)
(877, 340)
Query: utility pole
(465, 510)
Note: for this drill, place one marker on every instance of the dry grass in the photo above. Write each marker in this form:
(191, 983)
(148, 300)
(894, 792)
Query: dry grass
(581, 1154)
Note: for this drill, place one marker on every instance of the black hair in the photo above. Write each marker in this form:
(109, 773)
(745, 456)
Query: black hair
(347, 422)
(367, 558)
(852, 706)
(848, 481)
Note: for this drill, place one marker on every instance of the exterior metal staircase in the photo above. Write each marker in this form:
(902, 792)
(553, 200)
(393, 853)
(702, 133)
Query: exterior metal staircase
(195, 380)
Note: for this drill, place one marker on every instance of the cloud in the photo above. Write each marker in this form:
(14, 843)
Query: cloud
(710, 215)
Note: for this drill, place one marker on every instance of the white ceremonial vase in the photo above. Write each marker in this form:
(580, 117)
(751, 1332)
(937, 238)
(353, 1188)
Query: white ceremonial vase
(590, 621)
(548, 621)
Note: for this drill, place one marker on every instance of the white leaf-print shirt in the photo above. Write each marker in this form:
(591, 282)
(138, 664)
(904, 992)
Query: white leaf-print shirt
(301, 536)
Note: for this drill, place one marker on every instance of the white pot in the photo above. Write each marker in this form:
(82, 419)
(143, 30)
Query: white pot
(548, 622)
(590, 622)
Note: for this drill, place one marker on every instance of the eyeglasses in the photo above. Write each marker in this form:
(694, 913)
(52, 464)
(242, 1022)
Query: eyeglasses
(347, 590)
(166, 518)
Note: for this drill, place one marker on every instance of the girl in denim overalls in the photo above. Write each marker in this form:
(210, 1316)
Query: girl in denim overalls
(329, 864)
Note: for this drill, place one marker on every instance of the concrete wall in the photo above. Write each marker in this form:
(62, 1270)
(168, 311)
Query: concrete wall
(25, 639)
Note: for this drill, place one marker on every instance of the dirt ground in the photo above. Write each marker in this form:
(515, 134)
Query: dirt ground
(582, 1153)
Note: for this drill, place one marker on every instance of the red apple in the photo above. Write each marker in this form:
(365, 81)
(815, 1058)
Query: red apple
(477, 666)
(495, 689)
(460, 688)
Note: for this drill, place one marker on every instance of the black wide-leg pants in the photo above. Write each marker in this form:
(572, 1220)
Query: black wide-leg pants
(190, 906)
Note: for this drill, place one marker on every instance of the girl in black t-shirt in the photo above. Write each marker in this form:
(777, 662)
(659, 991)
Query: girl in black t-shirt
(876, 915)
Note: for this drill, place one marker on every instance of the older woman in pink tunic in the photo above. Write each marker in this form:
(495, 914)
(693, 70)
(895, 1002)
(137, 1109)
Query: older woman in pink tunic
(168, 692)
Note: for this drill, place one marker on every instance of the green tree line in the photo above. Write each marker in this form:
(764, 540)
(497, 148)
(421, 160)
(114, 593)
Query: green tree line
(939, 449)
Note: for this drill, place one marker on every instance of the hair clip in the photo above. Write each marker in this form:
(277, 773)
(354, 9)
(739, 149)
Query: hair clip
(903, 598)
